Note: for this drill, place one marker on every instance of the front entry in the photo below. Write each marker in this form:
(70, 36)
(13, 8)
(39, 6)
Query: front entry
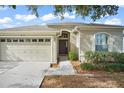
(63, 47)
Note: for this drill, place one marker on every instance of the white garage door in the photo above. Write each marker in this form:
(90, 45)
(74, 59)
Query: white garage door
(33, 50)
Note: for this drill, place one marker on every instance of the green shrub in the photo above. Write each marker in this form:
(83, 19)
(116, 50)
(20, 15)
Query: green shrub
(89, 56)
(87, 66)
(110, 67)
(72, 56)
(95, 57)
(100, 57)
(107, 61)
(115, 67)
(115, 56)
(120, 58)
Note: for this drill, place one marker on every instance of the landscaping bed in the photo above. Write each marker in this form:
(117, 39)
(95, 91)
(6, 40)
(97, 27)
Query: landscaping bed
(77, 66)
(78, 81)
(99, 70)
(54, 65)
(100, 79)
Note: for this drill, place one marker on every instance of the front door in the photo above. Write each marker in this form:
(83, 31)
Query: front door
(63, 47)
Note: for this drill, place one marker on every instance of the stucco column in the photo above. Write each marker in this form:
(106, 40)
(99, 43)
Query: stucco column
(51, 49)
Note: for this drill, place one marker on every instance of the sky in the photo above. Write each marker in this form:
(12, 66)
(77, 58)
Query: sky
(10, 18)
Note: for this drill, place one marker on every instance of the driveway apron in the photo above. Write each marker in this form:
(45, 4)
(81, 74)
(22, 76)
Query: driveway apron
(25, 75)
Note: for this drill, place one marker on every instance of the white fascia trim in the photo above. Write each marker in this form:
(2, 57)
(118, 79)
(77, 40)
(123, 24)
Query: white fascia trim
(29, 31)
(76, 28)
(61, 30)
(24, 36)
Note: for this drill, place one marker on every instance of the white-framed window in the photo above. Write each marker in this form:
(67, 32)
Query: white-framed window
(34, 40)
(9, 40)
(27, 40)
(2, 40)
(15, 40)
(47, 40)
(21, 40)
(41, 40)
(101, 42)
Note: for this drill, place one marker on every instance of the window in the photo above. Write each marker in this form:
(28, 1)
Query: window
(101, 42)
(47, 40)
(64, 35)
(2, 40)
(41, 40)
(27, 40)
(15, 40)
(9, 40)
(21, 40)
(34, 40)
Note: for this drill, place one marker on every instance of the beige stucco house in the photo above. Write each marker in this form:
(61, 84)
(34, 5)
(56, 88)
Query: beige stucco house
(46, 43)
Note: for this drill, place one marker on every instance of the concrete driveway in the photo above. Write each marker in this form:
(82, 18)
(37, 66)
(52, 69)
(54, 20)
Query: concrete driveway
(22, 74)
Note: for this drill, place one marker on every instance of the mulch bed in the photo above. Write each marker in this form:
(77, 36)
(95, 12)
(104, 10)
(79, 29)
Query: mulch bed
(54, 65)
(76, 81)
(101, 79)
(76, 66)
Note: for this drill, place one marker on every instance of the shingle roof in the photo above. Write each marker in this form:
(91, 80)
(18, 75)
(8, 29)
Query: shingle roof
(57, 26)
(30, 28)
(84, 24)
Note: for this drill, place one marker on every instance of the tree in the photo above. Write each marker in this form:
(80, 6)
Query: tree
(93, 11)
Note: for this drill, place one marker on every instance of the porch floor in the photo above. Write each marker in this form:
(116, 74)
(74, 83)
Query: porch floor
(63, 58)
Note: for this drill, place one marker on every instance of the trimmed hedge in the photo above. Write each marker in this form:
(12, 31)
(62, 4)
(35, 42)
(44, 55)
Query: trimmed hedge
(101, 57)
(87, 66)
(72, 56)
(110, 67)
(106, 61)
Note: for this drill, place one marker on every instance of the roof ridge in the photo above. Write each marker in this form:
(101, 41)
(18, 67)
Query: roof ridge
(47, 26)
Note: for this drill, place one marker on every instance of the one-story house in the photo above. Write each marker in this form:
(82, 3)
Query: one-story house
(45, 43)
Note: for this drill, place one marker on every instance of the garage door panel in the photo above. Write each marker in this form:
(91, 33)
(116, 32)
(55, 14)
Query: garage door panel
(26, 51)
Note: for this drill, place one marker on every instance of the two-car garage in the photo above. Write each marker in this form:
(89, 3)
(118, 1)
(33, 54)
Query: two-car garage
(25, 49)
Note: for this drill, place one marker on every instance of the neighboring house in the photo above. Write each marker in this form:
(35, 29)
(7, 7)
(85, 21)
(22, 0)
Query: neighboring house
(47, 43)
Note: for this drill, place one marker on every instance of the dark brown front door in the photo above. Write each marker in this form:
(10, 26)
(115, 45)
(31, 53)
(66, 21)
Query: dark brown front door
(63, 47)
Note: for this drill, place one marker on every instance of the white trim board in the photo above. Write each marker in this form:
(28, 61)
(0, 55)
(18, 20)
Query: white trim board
(24, 36)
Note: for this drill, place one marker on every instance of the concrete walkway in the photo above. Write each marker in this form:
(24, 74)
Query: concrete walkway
(65, 68)
(30, 74)
(5, 66)
(26, 74)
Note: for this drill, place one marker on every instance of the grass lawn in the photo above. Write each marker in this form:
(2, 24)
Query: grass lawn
(101, 79)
